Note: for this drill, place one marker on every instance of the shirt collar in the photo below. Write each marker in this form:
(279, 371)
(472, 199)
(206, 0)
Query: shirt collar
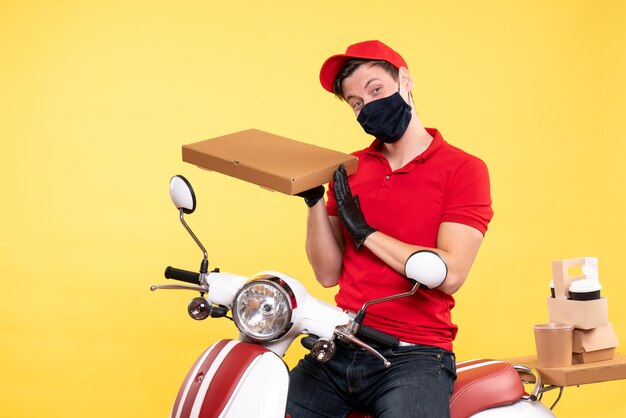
(437, 142)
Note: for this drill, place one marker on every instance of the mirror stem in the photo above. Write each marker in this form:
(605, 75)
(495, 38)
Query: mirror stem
(204, 267)
(361, 314)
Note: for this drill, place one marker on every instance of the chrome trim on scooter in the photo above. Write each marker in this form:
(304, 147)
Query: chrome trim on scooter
(280, 282)
(178, 287)
(205, 260)
(288, 295)
(344, 333)
(392, 297)
(520, 368)
(539, 389)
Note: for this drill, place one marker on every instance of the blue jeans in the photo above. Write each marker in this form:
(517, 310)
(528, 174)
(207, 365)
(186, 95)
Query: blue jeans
(417, 384)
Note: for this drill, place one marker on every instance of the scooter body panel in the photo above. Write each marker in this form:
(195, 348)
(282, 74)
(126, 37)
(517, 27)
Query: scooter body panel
(520, 409)
(234, 379)
(238, 379)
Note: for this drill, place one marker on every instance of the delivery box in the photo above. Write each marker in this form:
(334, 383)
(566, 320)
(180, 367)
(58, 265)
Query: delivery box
(269, 160)
(592, 345)
(586, 313)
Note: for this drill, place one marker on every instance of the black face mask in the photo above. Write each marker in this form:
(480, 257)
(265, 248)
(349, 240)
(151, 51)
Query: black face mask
(387, 119)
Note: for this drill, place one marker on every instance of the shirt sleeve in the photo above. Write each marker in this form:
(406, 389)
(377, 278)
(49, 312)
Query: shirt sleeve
(331, 203)
(468, 198)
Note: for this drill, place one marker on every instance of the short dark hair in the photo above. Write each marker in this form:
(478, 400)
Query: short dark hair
(350, 67)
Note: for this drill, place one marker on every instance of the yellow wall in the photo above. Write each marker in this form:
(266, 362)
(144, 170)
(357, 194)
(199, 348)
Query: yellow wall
(98, 97)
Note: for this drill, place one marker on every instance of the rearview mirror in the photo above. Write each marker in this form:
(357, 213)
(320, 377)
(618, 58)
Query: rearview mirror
(426, 267)
(182, 194)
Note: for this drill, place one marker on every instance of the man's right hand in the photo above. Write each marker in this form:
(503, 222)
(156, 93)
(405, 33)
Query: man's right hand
(312, 196)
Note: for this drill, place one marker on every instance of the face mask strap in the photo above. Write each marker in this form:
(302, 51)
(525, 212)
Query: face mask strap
(409, 95)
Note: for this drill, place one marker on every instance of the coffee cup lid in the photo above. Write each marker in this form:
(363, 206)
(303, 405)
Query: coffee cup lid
(584, 286)
(553, 327)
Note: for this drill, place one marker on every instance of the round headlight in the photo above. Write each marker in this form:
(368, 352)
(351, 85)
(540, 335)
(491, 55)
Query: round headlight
(262, 309)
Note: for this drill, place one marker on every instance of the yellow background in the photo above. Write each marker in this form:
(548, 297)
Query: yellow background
(98, 97)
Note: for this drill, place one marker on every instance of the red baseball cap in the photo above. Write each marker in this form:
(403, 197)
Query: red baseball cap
(374, 50)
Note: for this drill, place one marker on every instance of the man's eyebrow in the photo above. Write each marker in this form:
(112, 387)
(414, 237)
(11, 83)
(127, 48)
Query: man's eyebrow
(370, 81)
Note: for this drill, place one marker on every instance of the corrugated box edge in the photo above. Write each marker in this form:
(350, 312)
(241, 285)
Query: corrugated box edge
(579, 374)
(248, 173)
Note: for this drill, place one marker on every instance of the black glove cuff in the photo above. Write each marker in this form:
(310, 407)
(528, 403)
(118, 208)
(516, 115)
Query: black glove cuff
(312, 196)
(359, 242)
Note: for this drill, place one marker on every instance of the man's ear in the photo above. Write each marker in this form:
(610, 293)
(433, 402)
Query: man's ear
(405, 78)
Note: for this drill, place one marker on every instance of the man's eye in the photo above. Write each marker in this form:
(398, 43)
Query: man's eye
(357, 105)
(376, 90)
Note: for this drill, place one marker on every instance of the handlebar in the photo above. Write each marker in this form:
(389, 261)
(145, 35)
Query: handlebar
(378, 337)
(182, 275)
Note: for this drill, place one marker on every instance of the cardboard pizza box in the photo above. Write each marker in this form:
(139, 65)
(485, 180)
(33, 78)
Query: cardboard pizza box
(268, 160)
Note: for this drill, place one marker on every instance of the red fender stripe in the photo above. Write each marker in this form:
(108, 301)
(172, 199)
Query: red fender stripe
(184, 385)
(195, 381)
(227, 377)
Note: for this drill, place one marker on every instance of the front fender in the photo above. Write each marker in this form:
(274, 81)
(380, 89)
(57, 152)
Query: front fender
(234, 379)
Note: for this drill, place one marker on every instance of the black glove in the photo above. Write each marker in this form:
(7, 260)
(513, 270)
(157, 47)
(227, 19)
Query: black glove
(312, 196)
(349, 208)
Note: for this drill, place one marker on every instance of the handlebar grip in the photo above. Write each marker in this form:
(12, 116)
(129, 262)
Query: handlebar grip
(372, 334)
(309, 341)
(182, 275)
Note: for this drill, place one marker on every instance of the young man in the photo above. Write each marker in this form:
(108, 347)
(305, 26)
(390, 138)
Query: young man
(415, 192)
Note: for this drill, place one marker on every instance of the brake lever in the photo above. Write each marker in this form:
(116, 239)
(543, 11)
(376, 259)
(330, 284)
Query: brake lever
(343, 333)
(178, 287)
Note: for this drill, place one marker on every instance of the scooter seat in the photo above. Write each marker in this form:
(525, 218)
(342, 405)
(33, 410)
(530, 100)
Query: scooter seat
(480, 385)
(484, 384)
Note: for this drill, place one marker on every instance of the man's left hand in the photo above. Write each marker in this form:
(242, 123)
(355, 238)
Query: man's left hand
(349, 209)
(312, 196)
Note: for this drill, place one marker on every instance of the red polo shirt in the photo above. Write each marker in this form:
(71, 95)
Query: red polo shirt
(443, 184)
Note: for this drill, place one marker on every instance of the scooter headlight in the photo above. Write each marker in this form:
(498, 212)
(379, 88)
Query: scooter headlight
(262, 308)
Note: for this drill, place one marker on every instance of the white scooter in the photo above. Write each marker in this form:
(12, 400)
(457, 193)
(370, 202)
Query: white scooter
(248, 377)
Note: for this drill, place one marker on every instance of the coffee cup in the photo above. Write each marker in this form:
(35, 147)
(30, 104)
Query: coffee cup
(585, 289)
(554, 344)
(552, 294)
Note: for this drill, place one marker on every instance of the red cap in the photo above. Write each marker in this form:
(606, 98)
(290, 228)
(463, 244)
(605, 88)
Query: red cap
(374, 50)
